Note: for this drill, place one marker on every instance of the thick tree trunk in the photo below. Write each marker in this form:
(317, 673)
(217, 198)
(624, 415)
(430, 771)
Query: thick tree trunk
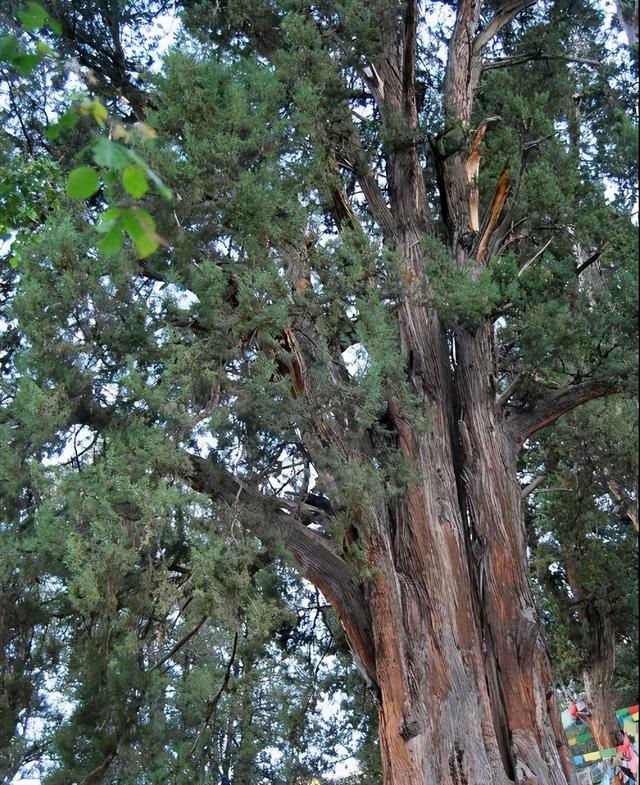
(628, 16)
(466, 693)
(597, 673)
(598, 677)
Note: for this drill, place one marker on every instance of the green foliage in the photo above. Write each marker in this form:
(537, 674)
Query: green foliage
(245, 322)
(82, 182)
(34, 17)
(583, 545)
(18, 57)
(460, 295)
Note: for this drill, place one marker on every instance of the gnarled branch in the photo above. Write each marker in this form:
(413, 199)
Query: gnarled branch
(501, 18)
(265, 516)
(547, 410)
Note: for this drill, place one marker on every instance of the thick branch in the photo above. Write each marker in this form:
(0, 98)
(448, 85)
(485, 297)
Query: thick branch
(463, 66)
(409, 62)
(499, 20)
(318, 562)
(356, 157)
(506, 62)
(376, 203)
(549, 409)
(265, 516)
(391, 80)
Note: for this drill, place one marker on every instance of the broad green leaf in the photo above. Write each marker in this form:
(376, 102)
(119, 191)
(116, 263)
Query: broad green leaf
(110, 154)
(162, 188)
(66, 121)
(141, 227)
(83, 182)
(9, 48)
(33, 17)
(111, 242)
(25, 63)
(112, 214)
(100, 113)
(134, 181)
(108, 219)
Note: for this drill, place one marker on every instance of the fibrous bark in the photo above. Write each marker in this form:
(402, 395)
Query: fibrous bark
(598, 683)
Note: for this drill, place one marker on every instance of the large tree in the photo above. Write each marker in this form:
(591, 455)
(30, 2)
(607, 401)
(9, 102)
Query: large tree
(373, 286)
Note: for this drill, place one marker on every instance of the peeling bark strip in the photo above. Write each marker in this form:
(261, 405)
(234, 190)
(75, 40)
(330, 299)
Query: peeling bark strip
(473, 168)
(495, 211)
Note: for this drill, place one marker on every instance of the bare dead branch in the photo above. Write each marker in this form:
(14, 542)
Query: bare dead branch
(179, 645)
(589, 261)
(507, 393)
(529, 262)
(95, 776)
(213, 702)
(533, 485)
(507, 62)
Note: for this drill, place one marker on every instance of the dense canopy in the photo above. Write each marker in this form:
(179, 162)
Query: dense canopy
(300, 300)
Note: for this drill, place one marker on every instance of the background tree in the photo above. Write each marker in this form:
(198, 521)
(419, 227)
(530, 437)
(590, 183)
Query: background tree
(584, 554)
(338, 189)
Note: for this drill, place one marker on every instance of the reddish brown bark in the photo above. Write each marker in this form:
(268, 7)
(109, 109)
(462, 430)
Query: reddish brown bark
(602, 720)
(466, 694)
